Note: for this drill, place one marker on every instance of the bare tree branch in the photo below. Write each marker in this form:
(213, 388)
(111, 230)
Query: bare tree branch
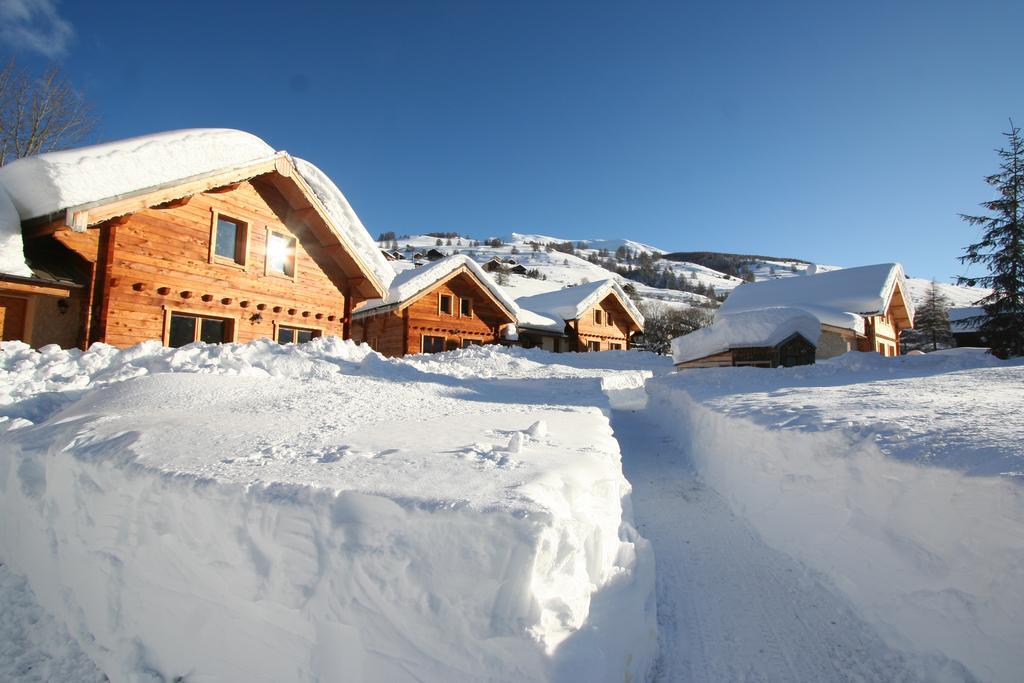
(40, 114)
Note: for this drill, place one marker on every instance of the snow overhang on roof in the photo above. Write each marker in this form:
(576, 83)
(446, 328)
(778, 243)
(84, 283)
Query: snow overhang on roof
(762, 328)
(864, 291)
(95, 183)
(410, 284)
(570, 303)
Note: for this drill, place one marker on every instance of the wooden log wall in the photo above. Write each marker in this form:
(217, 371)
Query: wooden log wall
(158, 259)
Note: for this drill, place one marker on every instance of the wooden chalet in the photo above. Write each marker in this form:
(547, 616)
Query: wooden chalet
(596, 316)
(494, 265)
(229, 251)
(860, 309)
(767, 338)
(434, 254)
(518, 269)
(449, 304)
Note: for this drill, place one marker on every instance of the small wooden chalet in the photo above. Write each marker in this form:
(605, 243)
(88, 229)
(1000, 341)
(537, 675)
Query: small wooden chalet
(449, 304)
(494, 265)
(196, 235)
(965, 324)
(767, 338)
(860, 309)
(597, 316)
(434, 255)
(518, 269)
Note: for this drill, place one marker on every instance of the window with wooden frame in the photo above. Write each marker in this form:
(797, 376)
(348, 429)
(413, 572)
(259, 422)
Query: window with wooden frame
(611, 323)
(444, 304)
(280, 254)
(466, 307)
(614, 347)
(466, 342)
(593, 346)
(295, 335)
(597, 316)
(432, 344)
(184, 328)
(229, 240)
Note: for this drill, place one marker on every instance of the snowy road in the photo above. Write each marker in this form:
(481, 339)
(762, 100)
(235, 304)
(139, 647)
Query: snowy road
(729, 607)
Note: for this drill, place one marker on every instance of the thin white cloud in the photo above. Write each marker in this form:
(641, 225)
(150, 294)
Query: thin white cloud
(34, 25)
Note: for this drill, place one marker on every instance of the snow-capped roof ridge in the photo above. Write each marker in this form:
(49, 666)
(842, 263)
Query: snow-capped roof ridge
(762, 328)
(409, 284)
(864, 290)
(569, 303)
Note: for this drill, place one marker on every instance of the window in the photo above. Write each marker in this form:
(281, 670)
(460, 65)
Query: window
(280, 254)
(184, 329)
(444, 304)
(466, 307)
(597, 316)
(229, 240)
(466, 343)
(433, 344)
(295, 335)
(609, 318)
(614, 347)
(593, 346)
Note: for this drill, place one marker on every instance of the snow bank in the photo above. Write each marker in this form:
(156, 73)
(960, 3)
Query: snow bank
(346, 220)
(761, 328)
(317, 512)
(12, 251)
(410, 282)
(931, 556)
(51, 182)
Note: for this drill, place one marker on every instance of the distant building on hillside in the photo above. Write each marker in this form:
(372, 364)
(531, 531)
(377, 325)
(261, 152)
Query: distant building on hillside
(494, 265)
(860, 309)
(597, 316)
(449, 304)
(194, 235)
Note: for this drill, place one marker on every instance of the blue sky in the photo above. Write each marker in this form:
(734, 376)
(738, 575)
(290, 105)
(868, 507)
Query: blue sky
(843, 133)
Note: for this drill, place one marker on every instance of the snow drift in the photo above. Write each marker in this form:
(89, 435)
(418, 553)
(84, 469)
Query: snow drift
(264, 512)
(932, 556)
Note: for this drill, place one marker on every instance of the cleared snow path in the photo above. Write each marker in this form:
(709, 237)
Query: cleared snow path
(729, 607)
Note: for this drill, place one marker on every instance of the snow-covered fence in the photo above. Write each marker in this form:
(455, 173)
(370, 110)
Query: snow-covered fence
(932, 557)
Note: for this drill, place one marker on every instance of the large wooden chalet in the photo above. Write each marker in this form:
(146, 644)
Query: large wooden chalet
(451, 303)
(597, 316)
(860, 309)
(237, 242)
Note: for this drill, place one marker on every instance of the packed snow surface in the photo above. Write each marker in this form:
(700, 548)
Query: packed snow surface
(410, 282)
(570, 303)
(346, 220)
(51, 182)
(317, 512)
(766, 327)
(898, 480)
(864, 290)
(12, 252)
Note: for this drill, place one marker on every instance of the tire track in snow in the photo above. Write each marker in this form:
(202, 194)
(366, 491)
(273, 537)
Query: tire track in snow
(730, 608)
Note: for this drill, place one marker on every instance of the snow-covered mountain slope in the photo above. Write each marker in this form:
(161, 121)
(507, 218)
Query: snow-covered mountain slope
(592, 260)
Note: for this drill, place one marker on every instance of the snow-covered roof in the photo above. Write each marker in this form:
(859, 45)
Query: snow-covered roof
(345, 219)
(865, 290)
(49, 183)
(965, 318)
(760, 328)
(570, 303)
(410, 283)
(12, 252)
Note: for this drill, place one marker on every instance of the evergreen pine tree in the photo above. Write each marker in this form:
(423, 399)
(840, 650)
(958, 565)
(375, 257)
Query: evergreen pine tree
(931, 321)
(1001, 250)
